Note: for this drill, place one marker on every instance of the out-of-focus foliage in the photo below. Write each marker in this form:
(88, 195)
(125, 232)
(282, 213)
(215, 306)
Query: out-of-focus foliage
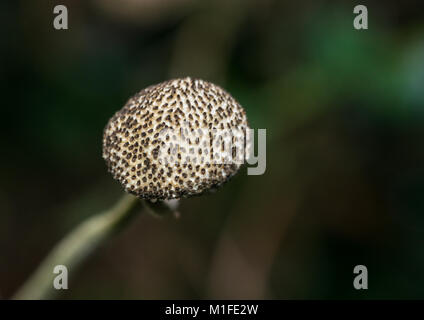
(344, 113)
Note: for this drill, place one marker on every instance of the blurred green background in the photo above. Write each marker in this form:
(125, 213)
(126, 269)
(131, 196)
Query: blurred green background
(344, 113)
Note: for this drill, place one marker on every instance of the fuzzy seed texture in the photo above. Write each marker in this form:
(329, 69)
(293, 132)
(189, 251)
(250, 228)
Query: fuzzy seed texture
(176, 139)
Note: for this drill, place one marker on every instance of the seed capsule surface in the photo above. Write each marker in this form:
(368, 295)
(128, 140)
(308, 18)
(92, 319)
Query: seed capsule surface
(176, 139)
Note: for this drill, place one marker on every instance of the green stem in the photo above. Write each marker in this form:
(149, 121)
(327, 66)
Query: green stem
(76, 247)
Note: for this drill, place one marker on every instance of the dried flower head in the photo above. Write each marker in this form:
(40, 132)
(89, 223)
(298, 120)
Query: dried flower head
(176, 139)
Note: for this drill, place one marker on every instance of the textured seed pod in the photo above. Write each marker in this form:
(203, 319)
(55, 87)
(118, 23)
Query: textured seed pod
(176, 139)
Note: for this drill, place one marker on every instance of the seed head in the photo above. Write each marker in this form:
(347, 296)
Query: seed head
(176, 139)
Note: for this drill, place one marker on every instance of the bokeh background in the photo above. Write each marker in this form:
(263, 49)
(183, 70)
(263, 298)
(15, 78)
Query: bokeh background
(344, 113)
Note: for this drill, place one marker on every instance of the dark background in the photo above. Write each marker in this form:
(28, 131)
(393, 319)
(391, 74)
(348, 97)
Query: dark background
(343, 110)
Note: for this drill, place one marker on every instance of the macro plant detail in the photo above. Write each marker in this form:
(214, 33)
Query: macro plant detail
(176, 139)
(122, 118)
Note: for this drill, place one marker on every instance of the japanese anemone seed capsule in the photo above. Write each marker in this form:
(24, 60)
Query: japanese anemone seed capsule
(176, 139)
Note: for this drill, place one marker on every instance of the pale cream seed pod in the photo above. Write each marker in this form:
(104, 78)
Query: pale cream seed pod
(176, 139)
